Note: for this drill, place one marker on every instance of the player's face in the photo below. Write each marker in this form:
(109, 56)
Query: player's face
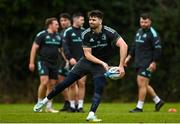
(80, 21)
(64, 22)
(145, 23)
(94, 22)
(54, 26)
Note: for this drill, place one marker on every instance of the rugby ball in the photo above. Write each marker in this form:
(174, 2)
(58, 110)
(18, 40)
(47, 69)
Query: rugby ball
(113, 73)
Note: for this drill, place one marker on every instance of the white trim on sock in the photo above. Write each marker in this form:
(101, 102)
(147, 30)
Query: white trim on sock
(91, 113)
(156, 99)
(72, 103)
(45, 100)
(49, 105)
(39, 99)
(80, 103)
(140, 104)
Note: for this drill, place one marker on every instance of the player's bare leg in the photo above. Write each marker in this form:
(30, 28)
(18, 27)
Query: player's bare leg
(142, 90)
(50, 86)
(42, 87)
(72, 97)
(158, 102)
(81, 93)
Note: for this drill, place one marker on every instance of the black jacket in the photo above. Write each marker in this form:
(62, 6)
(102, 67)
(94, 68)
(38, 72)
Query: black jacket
(146, 47)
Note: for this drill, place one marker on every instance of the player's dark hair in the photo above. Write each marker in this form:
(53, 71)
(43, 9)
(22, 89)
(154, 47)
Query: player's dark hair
(65, 15)
(96, 13)
(49, 21)
(78, 14)
(145, 16)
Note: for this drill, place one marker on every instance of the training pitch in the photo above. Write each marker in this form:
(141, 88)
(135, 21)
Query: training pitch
(108, 112)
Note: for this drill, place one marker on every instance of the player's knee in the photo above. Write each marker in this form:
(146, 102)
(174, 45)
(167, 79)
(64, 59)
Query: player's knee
(73, 86)
(142, 81)
(44, 83)
(99, 84)
(81, 84)
(97, 97)
(44, 80)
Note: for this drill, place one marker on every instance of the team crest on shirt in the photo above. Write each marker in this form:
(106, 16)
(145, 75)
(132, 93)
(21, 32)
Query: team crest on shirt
(73, 34)
(91, 40)
(47, 37)
(137, 34)
(103, 37)
(53, 40)
(144, 35)
(58, 37)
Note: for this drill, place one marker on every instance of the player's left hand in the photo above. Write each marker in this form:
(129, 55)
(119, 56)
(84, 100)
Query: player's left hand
(152, 67)
(73, 61)
(122, 71)
(67, 65)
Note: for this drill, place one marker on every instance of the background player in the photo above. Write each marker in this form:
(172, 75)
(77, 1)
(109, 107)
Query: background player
(47, 43)
(73, 50)
(146, 50)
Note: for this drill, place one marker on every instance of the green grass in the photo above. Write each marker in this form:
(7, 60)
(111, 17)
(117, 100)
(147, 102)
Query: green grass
(108, 112)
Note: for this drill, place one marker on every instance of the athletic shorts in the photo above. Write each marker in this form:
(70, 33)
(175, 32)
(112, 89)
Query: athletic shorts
(84, 67)
(144, 72)
(45, 68)
(63, 71)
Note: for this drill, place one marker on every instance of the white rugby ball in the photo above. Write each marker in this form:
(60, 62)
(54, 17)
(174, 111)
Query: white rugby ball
(113, 73)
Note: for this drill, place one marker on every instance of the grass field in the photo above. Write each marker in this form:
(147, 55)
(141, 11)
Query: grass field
(108, 112)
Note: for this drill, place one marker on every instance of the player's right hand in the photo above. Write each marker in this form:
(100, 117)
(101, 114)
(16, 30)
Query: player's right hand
(122, 71)
(127, 60)
(31, 67)
(105, 65)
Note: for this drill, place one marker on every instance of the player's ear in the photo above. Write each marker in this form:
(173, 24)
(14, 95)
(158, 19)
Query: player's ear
(150, 22)
(100, 21)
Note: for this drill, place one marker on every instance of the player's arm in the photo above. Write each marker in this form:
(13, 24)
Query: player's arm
(90, 57)
(156, 44)
(119, 42)
(61, 50)
(130, 55)
(33, 52)
(66, 46)
(123, 53)
(123, 50)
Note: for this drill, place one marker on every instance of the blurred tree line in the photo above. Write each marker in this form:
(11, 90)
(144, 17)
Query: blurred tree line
(21, 19)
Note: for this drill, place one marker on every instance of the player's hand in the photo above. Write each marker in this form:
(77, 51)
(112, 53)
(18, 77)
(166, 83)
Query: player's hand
(72, 61)
(31, 67)
(127, 60)
(152, 67)
(67, 65)
(122, 71)
(105, 65)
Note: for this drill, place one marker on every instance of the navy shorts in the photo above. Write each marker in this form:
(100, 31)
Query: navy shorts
(63, 71)
(144, 72)
(46, 68)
